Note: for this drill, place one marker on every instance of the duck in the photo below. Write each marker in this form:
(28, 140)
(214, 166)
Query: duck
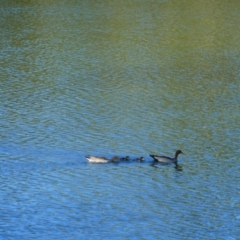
(140, 159)
(164, 159)
(127, 158)
(96, 159)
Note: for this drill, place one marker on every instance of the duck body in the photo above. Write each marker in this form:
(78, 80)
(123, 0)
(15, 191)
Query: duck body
(165, 159)
(96, 159)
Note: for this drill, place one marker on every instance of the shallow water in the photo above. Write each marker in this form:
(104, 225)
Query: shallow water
(119, 78)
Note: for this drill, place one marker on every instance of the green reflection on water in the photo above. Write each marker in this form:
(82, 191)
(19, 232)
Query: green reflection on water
(127, 73)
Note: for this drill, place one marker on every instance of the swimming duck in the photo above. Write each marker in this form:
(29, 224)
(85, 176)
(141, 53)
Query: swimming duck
(164, 159)
(127, 158)
(141, 159)
(95, 159)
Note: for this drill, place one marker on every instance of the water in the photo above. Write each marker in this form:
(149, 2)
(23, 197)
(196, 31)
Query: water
(119, 78)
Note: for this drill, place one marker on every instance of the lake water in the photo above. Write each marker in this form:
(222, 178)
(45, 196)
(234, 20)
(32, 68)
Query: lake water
(119, 78)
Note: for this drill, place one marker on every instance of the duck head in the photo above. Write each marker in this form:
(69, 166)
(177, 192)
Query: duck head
(178, 152)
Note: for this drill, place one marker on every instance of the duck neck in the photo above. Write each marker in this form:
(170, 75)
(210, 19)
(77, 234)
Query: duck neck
(176, 155)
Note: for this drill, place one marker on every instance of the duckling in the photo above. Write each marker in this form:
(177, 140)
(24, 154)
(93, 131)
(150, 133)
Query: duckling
(127, 158)
(141, 159)
(164, 159)
(115, 159)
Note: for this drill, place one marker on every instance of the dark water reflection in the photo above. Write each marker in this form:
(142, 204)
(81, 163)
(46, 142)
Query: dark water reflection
(119, 78)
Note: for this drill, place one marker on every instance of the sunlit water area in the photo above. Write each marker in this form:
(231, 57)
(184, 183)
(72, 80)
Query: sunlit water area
(119, 78)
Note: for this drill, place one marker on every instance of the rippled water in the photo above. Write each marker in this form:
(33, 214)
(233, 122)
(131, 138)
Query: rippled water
(119, 78)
